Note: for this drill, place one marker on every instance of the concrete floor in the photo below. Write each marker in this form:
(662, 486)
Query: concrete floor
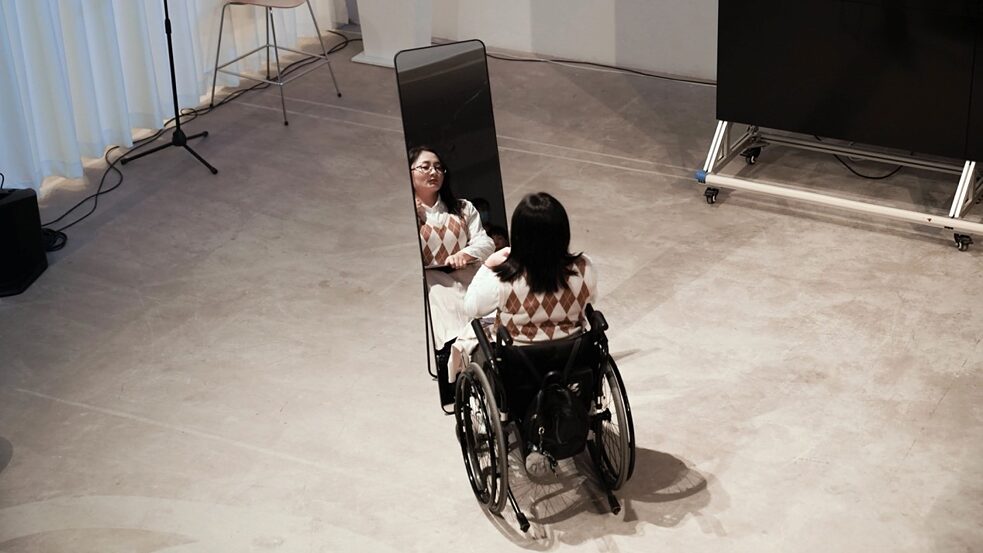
(236, 362)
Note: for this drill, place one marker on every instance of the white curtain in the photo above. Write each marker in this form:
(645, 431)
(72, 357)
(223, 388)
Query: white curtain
(77, 76)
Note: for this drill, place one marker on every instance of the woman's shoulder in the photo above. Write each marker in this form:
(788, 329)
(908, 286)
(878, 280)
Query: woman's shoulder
(583, 263)
(487, 279)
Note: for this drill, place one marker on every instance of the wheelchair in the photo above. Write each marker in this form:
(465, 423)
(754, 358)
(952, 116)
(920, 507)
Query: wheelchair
(507, 384)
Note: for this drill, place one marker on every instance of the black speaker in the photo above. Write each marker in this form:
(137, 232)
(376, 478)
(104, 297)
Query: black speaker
(22, 257)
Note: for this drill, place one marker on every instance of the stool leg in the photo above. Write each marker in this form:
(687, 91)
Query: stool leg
(317, 29)
(279, 75)
(324, 50)
(335, 81)
(218, 49)
(269, 15)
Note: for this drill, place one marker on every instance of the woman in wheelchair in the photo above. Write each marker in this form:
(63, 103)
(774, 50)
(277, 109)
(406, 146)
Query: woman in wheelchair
(548, 371)
(453, 243)
(537, 287)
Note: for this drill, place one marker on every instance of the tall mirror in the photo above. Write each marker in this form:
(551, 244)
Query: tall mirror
(452, 155)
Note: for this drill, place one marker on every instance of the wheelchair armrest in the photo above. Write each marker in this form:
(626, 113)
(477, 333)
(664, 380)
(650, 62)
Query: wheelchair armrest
(504, 338)
(595, 318)
(482, 339)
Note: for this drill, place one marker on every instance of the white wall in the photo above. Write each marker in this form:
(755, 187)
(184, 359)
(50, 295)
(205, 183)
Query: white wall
(677, 37)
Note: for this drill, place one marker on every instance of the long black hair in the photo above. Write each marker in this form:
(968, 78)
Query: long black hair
(540, 245)
(446, 193)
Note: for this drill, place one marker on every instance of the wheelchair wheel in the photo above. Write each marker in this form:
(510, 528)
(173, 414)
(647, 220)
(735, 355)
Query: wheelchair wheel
(483, 441)
(613, 441)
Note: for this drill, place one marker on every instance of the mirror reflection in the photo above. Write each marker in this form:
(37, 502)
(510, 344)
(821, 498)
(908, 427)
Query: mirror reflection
(445, 100)
(452, 155)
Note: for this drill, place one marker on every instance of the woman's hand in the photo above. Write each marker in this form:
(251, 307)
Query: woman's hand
(497, 258)
(459, 260)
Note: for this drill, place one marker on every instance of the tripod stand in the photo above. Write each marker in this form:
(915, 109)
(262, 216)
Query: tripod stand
(178, 138)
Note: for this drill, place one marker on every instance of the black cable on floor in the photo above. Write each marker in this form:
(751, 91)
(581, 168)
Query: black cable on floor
(612, 67)
(341, 45)
(56, 239)
(859, 174)
(871, 177)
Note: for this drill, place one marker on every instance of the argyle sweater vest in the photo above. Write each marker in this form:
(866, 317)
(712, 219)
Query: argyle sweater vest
(535, 317)
(443, 239)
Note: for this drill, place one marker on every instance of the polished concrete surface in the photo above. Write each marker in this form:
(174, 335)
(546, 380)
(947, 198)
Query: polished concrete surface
(236, 362)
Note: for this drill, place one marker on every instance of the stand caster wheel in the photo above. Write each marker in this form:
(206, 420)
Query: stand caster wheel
(962, 241)
(711, 194)
(751, 155)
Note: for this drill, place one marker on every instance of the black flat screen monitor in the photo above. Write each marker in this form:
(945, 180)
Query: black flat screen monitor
(894, 73)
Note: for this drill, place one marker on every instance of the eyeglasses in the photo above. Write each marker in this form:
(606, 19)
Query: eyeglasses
(426, 168)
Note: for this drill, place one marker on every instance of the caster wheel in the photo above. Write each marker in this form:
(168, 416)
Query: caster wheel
(711, 195)
(750, 155)
(962, 241)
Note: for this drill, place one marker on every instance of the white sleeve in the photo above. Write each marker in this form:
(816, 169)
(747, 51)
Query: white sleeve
(482, 295)
(480, 245)
(590, 280)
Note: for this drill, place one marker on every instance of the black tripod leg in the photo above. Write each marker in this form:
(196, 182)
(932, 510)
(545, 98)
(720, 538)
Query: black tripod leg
(201, 159)
(199, 135)
(178, 138)
(127, 159)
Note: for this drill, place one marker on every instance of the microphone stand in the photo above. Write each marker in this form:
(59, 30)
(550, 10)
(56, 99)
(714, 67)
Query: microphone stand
(178, 138)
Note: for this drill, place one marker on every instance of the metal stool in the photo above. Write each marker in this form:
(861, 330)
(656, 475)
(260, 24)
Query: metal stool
(269, 5)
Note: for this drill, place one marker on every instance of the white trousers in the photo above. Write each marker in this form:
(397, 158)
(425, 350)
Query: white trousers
(446, 292)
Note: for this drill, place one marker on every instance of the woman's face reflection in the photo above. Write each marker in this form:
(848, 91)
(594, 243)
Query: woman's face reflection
(428, 176)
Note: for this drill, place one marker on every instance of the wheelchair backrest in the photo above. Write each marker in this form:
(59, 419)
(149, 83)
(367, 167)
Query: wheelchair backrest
(541, 358)
(550, 387)
(576, 360)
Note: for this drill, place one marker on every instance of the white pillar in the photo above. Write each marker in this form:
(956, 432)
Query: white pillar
(389, 26)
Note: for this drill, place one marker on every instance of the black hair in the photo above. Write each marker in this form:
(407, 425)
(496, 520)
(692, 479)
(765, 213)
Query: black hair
(540, 245)
(446, 193)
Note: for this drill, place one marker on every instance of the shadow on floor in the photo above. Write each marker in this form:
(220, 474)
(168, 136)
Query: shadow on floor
(6, 453)
(571, 507)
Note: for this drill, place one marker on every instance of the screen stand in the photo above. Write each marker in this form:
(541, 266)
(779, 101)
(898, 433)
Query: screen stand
(724, 147)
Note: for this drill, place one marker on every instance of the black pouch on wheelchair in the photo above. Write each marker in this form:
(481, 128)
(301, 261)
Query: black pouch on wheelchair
(556, 422)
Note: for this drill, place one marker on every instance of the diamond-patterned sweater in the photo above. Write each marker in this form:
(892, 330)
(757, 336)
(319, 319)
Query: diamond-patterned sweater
(442, 234)
(533, 317)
